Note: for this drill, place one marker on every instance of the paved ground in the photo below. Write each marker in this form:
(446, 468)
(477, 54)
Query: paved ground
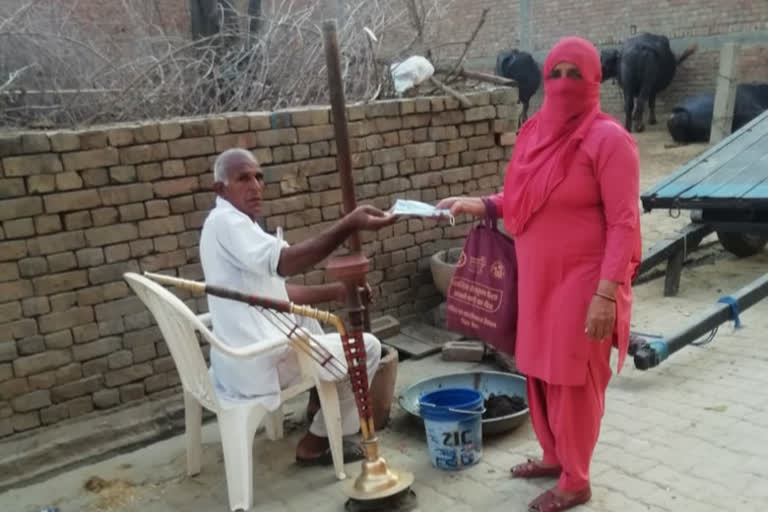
(690, 435)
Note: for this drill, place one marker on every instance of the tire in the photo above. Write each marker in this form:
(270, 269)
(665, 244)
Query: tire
(742, 244)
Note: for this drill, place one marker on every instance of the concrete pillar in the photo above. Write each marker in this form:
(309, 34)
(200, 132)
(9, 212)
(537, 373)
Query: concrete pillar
(725, 94)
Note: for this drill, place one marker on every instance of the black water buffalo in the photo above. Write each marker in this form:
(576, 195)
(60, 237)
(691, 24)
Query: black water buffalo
(644, 67)
(521, 67)
(691, 120)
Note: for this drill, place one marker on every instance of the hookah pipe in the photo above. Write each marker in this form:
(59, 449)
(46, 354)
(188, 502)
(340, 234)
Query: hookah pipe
(376, 479)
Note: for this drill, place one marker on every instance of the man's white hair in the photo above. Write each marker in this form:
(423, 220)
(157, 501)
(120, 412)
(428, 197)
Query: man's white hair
(228, 160)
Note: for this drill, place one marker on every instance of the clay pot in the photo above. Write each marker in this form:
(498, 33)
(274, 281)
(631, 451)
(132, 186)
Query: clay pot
(443, 264)
(383, 386)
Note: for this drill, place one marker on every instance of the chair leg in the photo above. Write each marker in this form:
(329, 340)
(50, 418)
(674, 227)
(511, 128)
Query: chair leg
(237, 434)
(193, 418)
(274, 424)
(329, 401)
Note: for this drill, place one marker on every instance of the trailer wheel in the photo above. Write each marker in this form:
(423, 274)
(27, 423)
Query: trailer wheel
(742, 244)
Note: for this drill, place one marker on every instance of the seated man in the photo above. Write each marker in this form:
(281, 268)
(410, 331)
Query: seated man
(236, 253)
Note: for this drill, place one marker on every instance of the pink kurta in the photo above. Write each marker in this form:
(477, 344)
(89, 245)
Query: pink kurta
(588, 230)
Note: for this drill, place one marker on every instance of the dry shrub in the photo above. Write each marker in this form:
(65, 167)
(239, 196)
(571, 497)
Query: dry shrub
(57, 69)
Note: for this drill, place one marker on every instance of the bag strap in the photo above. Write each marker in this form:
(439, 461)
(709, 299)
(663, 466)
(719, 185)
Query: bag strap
(491, 214)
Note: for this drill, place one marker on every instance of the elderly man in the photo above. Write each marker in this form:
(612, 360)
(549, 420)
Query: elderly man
(236, 253)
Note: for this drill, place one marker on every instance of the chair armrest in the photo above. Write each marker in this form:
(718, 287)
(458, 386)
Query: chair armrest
(206, 319)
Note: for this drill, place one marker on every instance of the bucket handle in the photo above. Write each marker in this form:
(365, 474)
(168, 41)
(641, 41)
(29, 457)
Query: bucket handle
(462, 411)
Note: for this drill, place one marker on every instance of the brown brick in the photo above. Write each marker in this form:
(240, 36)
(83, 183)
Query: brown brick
(384, 156)
(131, 392)
(246, 140)
(106, 398)
(8, 351)
(156, 383)
(508, 139)
(65, 319)
(126, 375)
(113, 272)
(64, 141)
(157, 208)
(457, 175)
(480, 142)
(98, 237)
(39, 363)
(68, 181)
(10, 311)
(59, 340)
(180, 186)
(141, 248)
(61, 262)
(122, 174)
(68, 373)
(32, 401)
(19, 228)
(93, 139)
(15, 290)
(63, 301)
(54, 414)
(309, 134)
(47, 224)
(166, 243)
(49, 244)
(95, 177)
(399, 242)
(95, 367)
(105, 216)
(149, 172)
(79, 406)
(12, 388)
(167, 260)
(169, 130)
(90, 296)
(22, 329)
(98, 348)
(69, 201)
(75, 389)
(78, 220)
(120, 359)
(84, 333)
(41, 184)
(45, 380)
(131, 212)
(21, 207)
(46, 163)
(30, 267)
(162, 226)
(79, 160)
(218, 126)
(12, 187)
(182, 148)
(122, 194)
(120, 136)
(144, 153)
(142, 353)
(119, 252)
(26, 421)
(89, 257)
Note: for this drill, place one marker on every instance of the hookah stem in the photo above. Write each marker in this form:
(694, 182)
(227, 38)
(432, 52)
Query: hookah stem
(355, 362)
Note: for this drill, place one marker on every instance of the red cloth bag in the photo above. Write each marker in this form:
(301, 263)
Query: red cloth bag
(482, 297)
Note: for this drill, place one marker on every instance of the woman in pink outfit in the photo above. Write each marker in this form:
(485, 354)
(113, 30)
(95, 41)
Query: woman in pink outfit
(570, 200)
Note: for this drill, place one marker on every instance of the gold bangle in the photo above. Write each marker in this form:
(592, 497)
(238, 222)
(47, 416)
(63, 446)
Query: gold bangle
(606, 297)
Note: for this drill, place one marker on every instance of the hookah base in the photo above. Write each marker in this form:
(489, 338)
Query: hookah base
(404, 501)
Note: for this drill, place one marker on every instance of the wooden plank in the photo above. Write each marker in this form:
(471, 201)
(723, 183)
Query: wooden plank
(725, 93)
(687, 240)
(733, 179)
(760, 188)
(716, 160)
(724, 145)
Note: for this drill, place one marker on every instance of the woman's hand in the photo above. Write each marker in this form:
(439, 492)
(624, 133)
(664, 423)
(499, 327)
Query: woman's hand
(458, 205)
(601, 318)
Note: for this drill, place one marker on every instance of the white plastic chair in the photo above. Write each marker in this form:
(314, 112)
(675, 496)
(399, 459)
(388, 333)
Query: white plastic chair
(238, 420)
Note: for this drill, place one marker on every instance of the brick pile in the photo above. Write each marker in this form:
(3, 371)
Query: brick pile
(80, 208)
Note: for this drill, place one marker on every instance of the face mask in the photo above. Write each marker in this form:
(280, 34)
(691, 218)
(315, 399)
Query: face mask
(419, 209)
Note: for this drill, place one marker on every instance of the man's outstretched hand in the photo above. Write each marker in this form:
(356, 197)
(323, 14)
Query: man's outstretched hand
(370, 218)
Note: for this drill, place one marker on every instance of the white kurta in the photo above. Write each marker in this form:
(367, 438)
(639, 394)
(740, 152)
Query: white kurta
(236, 253)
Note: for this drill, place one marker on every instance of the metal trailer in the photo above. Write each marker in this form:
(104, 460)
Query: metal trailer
(726, 191)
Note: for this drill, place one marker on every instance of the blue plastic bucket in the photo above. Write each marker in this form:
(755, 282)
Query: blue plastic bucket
(453, 421)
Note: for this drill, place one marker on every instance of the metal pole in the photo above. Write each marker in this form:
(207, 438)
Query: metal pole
(651, 354)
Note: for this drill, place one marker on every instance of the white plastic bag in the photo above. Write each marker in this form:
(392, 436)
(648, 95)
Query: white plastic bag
(409, 207)
(411, 72)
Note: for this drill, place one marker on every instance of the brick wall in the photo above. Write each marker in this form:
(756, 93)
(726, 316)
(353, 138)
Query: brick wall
(80, 208)
(606, 23)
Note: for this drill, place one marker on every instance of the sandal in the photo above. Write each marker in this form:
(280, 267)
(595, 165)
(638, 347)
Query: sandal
(351, 451)
(551, 502)
(535, 469)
